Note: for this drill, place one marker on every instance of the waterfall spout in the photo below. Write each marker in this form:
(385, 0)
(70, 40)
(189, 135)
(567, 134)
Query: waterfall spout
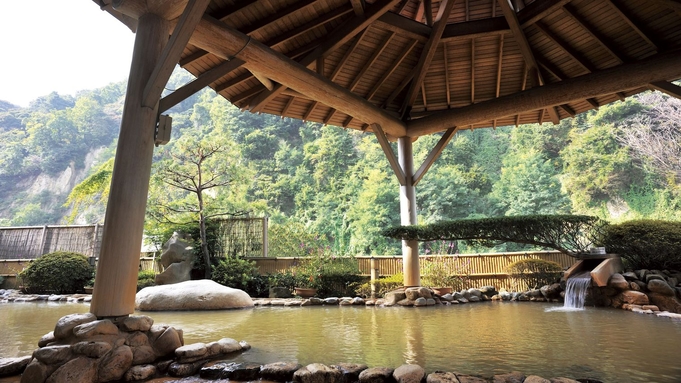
(575, 291)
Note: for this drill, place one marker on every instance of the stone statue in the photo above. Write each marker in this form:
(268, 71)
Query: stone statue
(177, 258)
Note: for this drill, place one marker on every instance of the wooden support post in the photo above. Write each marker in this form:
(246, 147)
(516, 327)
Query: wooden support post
(116, 283)
(374, 277)
(43, 242)
(265, 237)
(410, 251)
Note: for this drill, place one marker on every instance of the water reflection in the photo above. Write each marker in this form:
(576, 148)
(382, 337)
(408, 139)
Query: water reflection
(486, 338)
(415, 353)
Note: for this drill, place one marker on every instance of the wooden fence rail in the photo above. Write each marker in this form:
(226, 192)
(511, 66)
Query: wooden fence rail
(486, 269)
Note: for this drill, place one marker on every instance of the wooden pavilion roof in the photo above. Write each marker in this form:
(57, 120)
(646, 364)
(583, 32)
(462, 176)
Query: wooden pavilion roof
(416, 67)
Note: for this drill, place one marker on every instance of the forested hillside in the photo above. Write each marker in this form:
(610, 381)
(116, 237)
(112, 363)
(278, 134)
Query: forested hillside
(620, 162)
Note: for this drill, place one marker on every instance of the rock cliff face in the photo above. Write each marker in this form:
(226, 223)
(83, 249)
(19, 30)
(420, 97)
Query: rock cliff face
(52, 190)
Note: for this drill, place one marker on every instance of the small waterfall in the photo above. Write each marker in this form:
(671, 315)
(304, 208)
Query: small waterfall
(575, 291)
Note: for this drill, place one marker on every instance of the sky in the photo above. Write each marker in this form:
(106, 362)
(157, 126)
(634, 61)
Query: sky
(59, 45)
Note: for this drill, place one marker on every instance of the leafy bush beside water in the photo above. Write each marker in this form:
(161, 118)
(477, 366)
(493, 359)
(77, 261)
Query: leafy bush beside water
(383, 285)
(145, 278)
(59, 272)
(646, 244)
(534, 272)
(330, 275)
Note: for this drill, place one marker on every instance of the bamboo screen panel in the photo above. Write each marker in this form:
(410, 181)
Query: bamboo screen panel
(32, 242)
(487, 269)
(21, 242)
(242, 237)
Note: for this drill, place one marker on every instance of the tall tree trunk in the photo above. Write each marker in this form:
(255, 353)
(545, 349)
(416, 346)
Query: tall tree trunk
(204, 240)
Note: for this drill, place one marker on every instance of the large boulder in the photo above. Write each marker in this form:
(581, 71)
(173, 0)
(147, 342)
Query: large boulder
(176, 260)
(191, 295)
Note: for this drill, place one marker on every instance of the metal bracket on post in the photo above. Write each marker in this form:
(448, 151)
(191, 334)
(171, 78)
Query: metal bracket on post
(163, 129)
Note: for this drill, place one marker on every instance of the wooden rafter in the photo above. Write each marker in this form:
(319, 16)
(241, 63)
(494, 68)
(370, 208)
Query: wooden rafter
(499, 64)
(367, 65)
(307, 114)
(172, 51)
(224, 16)
(426, 57)
(525, 50)
(398, 90)
(597, 36)
(199, 83)
(358, 7)
(624, 15)
(364, 69)
(335, 40)
(428, 11)
(447, 90)
(538, 10)
(604, 82)
(393, 66)
(288, 106)
(472, 71)
(576, 56)
(671, 4)
(346, 56)
(523, 86)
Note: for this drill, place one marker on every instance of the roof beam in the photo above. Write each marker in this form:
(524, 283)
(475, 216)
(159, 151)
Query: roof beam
(199, 83)
(172, 51)
(217, 38)
(358, 7)
(389, 154)
(433, 155)
(336, 39)
(667, 87)
(661, 67)
(428, 10)
(538, 10)
(426, 57)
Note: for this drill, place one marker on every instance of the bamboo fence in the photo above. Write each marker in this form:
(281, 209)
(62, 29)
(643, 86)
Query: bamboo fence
(484, 269)
(32, 242)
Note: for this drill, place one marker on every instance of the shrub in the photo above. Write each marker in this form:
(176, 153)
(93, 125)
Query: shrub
(440, 271)
(330, 275)
(533, 272)
(646, 244)
(570, 234)
(145, 278)
(383, 285)
(59, 272)
(234, 272)
(285, 279)
(292, 239)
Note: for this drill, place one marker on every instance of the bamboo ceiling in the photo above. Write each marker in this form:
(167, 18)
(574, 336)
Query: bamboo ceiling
(423, 66)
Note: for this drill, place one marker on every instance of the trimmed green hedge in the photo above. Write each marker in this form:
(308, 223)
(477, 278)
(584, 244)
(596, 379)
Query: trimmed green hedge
(646, 244)
(570, 234)
(59, 272)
